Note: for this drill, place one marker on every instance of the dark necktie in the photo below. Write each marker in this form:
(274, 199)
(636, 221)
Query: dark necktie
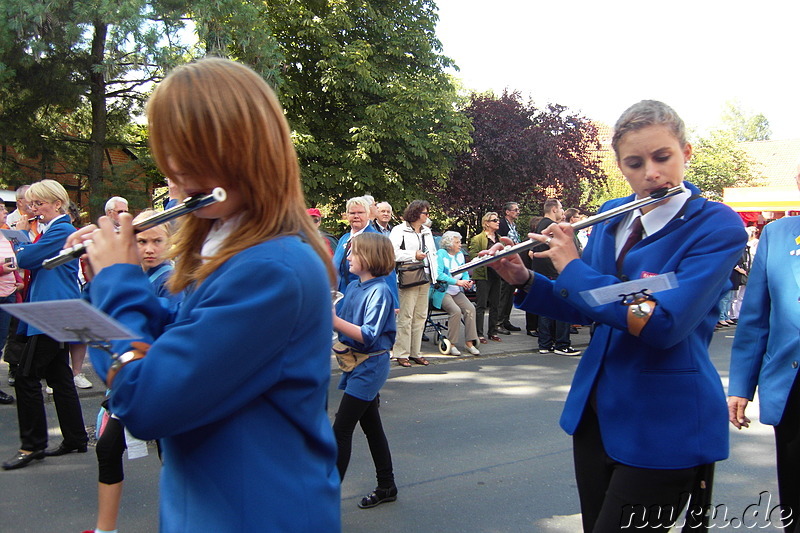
(633, 238)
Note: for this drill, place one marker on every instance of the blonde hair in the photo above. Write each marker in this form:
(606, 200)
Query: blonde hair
(358, 200)
(486, 217)
(375, 251)
(218, 118)
(648, 113)
(49, 191)
(147, 213)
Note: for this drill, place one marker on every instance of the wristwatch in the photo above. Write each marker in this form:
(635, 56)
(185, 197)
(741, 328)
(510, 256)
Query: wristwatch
(526, 287)
(641, 309)
(639, 313)
(138, 352)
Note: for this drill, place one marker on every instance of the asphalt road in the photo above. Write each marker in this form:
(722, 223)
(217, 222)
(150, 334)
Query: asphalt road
(475, 442)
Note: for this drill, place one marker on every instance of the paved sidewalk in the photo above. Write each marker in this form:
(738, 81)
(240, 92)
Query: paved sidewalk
(514, 344)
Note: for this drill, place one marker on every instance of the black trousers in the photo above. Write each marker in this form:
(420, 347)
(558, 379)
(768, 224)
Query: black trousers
(487, 296)
(45, 358)
(351, 411)
(616, 497)
(531, 322)
(506, 302)
(787, 446)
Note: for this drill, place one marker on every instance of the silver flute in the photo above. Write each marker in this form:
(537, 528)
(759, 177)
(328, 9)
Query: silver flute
(524, 246)
(193, 203)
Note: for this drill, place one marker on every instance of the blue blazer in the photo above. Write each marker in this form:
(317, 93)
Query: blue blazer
(342, 266)
(660, 402)
(60, 283)
(235, 386)
(766, 349)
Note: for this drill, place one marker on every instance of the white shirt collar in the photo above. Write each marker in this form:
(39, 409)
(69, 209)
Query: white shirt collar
(44, 227)
(654, 220)
(359, 232)
(218, 233)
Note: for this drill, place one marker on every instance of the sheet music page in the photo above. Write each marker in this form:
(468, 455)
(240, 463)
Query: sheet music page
(16, 236)
(70, 321)
(613, 293)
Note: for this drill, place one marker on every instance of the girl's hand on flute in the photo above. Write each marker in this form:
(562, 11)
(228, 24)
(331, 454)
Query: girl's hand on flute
(560, 239)
(511, 267)
(110, 247)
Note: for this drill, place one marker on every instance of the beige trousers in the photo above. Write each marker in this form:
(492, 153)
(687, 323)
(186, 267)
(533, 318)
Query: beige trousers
(411, 321)
(458, 306)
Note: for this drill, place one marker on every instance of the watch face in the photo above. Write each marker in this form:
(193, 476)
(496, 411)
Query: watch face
(641, 310)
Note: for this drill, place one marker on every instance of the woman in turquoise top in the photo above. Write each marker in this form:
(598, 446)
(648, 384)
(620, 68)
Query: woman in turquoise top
(448, 293)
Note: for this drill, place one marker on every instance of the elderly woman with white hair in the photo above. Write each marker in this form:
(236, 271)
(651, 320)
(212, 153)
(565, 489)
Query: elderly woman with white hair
(357, 213)
(448, 293)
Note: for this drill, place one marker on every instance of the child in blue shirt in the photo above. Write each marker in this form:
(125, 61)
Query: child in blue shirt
(366, 323)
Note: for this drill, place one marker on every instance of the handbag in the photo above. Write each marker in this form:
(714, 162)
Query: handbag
(411, 273)
(348, 358)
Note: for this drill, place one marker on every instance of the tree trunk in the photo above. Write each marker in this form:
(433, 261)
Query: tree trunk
(97, 98)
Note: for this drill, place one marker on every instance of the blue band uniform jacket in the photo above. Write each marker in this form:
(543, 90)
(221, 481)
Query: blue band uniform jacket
(766, 350)
(659, 400)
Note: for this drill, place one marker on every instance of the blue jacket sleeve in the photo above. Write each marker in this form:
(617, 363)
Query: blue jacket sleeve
(231, 332)
(379, 307)
(30, 256)
(701, 266)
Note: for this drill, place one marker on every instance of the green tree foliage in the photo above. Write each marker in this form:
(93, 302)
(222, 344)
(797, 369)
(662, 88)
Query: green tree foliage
(745, 127)
(518, 153)
(718, 162)
(73, 74)
(236, 29)
(596, 193)
(364, 88)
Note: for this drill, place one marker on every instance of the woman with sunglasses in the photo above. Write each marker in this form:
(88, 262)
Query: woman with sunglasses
(487, 281)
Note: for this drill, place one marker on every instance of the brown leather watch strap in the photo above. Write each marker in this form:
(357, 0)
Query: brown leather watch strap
(138, 352)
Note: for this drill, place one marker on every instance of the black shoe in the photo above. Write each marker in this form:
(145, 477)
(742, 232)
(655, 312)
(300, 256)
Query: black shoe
(377, 497)
(502, 331)
(573, 330)
(12, 374)
(425, 338)
(64, 449)
(569, 350)
(511, 327)
(22, 460)
(6, 398)
(546, 350)
(532, 333)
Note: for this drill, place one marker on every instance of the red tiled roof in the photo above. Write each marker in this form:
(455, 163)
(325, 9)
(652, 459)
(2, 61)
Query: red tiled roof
(776, 161)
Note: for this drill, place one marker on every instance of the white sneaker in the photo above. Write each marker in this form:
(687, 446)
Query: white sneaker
(454, 351)
(81, 382)
(473, 350)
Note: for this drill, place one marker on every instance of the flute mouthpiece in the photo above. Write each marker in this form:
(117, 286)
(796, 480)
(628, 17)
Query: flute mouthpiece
(660, 193)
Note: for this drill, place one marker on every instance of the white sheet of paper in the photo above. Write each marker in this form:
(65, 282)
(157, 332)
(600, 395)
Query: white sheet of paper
(613, 293)
(70, 320)
(15, 236)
